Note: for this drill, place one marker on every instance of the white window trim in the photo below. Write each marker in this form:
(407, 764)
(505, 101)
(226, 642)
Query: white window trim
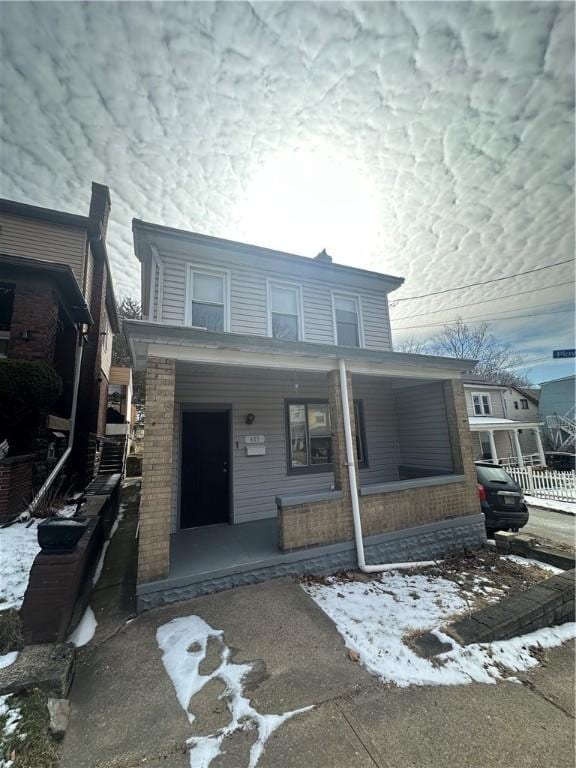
(222, 273)
(272, 283)
(156, 266)
(481, 395)
(358, 301)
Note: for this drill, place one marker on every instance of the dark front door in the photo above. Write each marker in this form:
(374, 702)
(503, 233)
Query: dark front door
(205, 483)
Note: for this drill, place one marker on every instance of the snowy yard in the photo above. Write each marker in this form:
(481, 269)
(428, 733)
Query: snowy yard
(18, 548)
(376, 617)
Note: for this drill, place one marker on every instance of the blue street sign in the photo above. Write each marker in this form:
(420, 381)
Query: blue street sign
(562, 353)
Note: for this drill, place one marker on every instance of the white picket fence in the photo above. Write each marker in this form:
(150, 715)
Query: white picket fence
(545, 483)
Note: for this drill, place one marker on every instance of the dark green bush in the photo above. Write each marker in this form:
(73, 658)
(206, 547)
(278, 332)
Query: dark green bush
(27, 389)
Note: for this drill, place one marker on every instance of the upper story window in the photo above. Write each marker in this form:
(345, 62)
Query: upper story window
(6, 308)
(482, 404)
(285, 311)
(208, 303)
(523, 404)
(310, 436)
(347, 325)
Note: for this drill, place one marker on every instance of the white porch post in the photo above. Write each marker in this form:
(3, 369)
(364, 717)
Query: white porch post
(540, 447)
(517, 448)
(493, 452)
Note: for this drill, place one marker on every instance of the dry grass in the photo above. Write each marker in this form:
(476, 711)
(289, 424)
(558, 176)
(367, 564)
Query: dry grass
(31, 745)
(10, 631)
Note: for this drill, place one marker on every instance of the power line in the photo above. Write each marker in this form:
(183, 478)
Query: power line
(488, 319)
(484, 282)
(484, 301)
(499, 312)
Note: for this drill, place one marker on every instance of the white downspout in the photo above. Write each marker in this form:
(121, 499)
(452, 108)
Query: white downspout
(358, 537)
(64, 458)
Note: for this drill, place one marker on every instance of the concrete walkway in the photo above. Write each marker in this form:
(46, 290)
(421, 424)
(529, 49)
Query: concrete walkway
(125, 712)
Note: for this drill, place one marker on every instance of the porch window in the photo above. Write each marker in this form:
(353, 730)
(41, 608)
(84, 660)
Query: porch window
(208, 304)
(347, 321)
(285, 312)
(482, 404)
(6, 308)
(308, 428)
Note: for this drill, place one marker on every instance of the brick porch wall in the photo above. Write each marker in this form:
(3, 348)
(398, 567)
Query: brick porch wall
(329, 522)
(15, 485)
(155, 502)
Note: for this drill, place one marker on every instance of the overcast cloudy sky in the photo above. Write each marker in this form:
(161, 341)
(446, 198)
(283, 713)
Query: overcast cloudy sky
(429, 140)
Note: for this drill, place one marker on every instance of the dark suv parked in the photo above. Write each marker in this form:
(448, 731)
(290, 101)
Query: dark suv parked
(501, 499)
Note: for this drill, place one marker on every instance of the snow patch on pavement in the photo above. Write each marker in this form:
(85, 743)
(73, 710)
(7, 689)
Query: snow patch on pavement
(18, 548)
(375, 617)
(558, 506)
(7, 659)
(183, 642)
(85, 630)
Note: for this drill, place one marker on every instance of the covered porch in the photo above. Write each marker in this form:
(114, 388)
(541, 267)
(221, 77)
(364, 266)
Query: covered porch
(279, 495)
(507, 442)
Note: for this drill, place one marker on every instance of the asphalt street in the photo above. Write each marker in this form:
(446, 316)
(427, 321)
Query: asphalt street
(551, 525)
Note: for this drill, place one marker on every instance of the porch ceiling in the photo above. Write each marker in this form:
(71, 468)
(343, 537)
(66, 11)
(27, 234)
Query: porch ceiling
(195, 345)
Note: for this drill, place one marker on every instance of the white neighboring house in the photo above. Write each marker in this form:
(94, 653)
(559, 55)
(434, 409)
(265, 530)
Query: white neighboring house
(504, 422)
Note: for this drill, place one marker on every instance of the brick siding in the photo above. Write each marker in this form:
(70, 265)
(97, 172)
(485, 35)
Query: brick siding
(156, 497)
(35, 314)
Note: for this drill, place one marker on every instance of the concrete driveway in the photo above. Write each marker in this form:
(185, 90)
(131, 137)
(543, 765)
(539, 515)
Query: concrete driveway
(125, 712)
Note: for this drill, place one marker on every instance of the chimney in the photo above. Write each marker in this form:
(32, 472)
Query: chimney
(324, 257)
(100, 207)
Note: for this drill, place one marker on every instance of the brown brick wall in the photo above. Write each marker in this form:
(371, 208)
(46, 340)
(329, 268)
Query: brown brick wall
(15, 485)
(156, 498)
(328, 522)
(35, 312)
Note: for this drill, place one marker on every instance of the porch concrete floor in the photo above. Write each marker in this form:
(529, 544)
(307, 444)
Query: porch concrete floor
(213, 548)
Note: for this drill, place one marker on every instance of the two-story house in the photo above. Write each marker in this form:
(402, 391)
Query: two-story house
(504, 423)
(279, 422)
(57, 305)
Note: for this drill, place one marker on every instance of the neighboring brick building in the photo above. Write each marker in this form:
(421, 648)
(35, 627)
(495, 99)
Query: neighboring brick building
(56, 289)
(246, 448)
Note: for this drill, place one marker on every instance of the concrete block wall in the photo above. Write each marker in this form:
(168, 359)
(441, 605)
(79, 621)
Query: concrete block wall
(155, 503)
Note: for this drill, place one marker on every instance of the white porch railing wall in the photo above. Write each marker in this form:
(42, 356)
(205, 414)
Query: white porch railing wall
(545, 483)
(530, 460)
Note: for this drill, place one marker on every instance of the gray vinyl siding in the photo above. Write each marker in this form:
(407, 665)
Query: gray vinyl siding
(424, 439)
(495, 398)
(33, 239)
(249, 296)
(257, 480)
(377, 397)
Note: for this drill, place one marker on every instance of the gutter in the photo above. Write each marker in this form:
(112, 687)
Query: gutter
(65, 456)
(358, 535)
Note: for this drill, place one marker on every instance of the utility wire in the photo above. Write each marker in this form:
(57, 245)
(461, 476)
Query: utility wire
(484, 301)
(484, 282)
(488, 319)
(501, 312)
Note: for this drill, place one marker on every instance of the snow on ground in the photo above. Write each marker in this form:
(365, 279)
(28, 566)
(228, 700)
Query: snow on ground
(184, 643)
(18, 548)
(67, 511)
(84, 632)
(9, 717)
(7, 659)
(558, 506)
(375, 616)
(528, 561)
